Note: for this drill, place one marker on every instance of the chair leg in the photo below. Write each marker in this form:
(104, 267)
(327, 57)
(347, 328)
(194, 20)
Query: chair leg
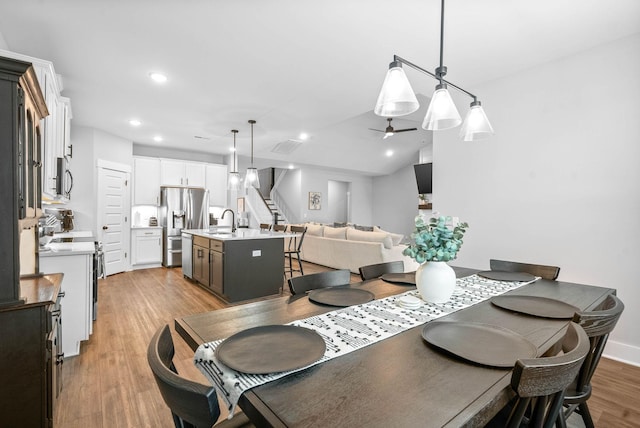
(299, 263)
(586, 415)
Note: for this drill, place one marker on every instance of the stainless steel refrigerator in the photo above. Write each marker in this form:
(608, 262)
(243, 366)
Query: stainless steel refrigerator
(180, 208)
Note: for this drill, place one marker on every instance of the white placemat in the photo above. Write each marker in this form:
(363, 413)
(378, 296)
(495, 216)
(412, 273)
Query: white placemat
(348, 329)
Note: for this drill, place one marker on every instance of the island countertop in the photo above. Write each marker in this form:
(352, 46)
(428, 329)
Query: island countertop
(225, 234)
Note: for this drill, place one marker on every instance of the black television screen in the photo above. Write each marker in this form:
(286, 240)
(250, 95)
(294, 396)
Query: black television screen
(423, 177)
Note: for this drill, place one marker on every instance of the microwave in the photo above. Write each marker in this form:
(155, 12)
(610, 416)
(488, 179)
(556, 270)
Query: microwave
(64, 179)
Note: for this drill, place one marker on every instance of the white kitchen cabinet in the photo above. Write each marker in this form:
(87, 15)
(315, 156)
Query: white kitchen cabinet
(78, 297)
(217, 185)
(146, 181)
(146, 247)
(181, 173)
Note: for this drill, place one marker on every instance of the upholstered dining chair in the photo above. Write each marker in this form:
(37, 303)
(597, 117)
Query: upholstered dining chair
(597, 324)
(379, 269)
(539, 384)
(332, 278)
(192, 404)
(294, 248)
(543, 271)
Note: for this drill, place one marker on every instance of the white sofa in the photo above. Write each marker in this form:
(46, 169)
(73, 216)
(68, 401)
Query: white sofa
(350, 248)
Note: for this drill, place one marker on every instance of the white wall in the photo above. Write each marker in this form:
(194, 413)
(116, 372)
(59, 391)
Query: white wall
(290, 189)
(559, 183)
(338, 200)
(169, 153)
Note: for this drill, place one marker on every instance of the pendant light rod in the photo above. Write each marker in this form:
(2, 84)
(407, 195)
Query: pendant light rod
(397, 58)
(441, 71)
(252, 122)
(235, 152)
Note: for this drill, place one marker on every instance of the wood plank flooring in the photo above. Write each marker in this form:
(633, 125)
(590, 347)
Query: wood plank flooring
(110, 384)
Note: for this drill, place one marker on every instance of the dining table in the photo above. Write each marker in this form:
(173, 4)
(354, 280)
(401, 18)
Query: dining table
(400, 381)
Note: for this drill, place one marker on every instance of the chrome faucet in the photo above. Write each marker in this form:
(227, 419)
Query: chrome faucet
(233, 219)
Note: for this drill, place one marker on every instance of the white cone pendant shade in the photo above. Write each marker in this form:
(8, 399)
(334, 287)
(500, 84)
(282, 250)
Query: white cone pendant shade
(396, 96)
(442, 112)
(476, 126)
(251, 179)
(234, 180)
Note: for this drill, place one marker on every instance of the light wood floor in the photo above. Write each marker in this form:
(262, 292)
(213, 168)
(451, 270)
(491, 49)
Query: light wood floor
(110, 384)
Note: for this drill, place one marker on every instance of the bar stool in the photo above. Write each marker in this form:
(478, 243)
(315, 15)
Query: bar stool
(294, 248)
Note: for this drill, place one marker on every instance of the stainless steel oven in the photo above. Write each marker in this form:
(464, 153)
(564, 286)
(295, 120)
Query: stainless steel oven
(98, 272)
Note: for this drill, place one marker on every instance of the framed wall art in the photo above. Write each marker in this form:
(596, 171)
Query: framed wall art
(315, 200)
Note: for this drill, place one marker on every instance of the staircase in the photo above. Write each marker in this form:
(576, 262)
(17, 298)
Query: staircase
(276, 215)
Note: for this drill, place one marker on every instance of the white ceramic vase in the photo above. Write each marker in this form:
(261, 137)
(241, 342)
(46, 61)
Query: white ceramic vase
(435, 281)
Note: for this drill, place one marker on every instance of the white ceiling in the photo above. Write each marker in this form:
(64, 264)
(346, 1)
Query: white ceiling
(292, 65)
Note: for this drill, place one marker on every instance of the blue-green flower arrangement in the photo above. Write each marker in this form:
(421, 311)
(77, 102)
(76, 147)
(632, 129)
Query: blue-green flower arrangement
(435, 241)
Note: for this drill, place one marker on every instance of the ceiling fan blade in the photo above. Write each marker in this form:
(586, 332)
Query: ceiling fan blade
(405, 130)
(377, 130)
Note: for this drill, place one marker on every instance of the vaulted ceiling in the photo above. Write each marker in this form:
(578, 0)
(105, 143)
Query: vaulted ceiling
(294, 66)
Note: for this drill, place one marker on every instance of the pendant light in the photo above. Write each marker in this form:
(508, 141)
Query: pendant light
(251, 179)
(234, 175)
(397, 99)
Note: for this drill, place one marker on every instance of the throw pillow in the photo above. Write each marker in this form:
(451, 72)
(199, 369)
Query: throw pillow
(314, 229)
(396, 238)
(364, 228)
(339, 224)
(335, 232)
(360, 235)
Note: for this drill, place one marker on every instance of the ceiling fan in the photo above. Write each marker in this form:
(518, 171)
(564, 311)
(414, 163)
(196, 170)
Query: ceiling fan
(389, 131)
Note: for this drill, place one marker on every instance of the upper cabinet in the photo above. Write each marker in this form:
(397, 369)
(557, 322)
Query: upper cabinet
(146, 181)
(217, 185)
(55, 129)
(181, 173)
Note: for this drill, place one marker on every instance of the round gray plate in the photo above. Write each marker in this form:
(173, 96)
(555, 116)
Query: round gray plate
(535, 305)
(271, 349)
(498, 275)
(485, 344)
(341, 296)
(406, 278)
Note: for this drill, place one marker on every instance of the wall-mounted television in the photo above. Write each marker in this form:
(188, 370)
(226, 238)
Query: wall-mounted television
(423, 177)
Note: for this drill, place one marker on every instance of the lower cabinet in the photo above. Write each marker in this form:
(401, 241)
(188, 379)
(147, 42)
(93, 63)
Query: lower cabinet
(201, 257)
(146, 247)
(31, 362)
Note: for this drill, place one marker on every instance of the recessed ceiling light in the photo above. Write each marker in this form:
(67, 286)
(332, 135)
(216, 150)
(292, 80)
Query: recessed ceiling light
(290, 166)
(157, 138)
(158, 77)
(135, 122)
(303, 136)
(389, 153)
(232, 149)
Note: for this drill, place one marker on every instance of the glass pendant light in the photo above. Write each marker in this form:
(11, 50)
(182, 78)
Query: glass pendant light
(442, 112)
(234, 175)
(251, 179)
(476, 126)
(396, 97)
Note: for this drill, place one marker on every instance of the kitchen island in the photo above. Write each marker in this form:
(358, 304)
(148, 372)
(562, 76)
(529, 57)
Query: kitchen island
(240, 265)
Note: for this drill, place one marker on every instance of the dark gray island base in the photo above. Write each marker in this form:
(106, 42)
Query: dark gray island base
(238, 266)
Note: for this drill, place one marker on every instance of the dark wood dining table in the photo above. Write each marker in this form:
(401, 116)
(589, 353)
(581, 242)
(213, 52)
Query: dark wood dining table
(400, 381)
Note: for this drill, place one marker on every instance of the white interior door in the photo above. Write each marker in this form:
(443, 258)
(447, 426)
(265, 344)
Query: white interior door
(113, 193)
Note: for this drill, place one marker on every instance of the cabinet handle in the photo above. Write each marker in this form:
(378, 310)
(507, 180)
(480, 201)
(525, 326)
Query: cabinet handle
(56, 312)
(62, 294)
(60, 359)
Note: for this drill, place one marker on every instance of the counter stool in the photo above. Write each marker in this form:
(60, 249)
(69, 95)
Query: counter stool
(294, 248)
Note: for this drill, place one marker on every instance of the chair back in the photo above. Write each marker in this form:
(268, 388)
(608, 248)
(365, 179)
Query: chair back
(304, 283)
(540, 382)
(597, 324)
(191, 403)
(379, 269)
(279, 227)
(295, 244)
(543, 271)
(265, 226)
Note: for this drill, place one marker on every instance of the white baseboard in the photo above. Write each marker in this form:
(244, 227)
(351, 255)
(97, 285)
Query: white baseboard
(622, 352)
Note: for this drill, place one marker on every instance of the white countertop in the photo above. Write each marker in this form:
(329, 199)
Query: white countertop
(226, 235)
(146, 227)
(69, 248)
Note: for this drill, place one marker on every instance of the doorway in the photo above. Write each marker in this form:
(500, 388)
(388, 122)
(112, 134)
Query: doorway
(338, 201)
(113, 221)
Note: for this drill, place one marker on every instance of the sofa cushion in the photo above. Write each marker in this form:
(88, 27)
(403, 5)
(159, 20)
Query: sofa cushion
(314, 229)
(335, 232)
(360, 235)
(396, 238)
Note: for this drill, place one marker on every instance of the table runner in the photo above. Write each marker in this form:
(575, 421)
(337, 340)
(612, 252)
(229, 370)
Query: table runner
(348, 329)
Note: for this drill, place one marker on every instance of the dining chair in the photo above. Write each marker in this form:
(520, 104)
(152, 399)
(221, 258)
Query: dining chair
(539, 384)
(543, 271)
(192, 404)
(265, 227)
(279, 227)
(597, 324)
(294, 248)
(332, 278)
(379, 269)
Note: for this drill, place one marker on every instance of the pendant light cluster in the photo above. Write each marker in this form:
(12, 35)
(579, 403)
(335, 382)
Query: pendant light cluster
(398, 99)
(251, 179)
(234, 175)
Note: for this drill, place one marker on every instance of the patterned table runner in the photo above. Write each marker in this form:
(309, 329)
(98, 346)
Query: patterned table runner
(348, 329)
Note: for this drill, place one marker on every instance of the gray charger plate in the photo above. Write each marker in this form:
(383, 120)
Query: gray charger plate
(536, 306)
(485, 344)
(406, 278)
(498, 275)
(271, 349)
(341, 296)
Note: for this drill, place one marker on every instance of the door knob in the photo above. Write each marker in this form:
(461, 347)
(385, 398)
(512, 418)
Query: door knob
(105, 227)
